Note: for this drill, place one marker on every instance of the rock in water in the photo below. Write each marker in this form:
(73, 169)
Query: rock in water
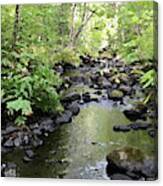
(74, 108)
(121, 128)
(115, 95)
(30, 153)
(9, 143)
(71, 97)
(66, 117)
(131, 162)
(47, 125)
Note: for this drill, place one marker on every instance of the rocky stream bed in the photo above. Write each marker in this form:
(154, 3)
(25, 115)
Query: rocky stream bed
(102, 134)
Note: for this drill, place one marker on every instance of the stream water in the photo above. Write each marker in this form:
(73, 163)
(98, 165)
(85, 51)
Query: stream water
(78, 149)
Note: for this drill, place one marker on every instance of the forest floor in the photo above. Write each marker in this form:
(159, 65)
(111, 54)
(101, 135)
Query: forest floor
(98, 80)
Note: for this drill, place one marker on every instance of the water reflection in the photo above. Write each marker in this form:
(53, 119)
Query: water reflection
(78, 149)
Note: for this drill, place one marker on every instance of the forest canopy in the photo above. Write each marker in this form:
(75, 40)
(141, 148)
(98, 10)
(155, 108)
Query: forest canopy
(35, 38)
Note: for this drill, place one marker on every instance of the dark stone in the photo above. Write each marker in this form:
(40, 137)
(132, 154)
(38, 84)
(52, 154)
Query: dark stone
(59, 69)
(131, 162)
(152, 133)
(47, 125)
(71, 97)
(120, 177)
(125, 89)
(74, 108)
(34, 126)
(11, 129)
(9, 143)
(141, 126)
(103, 83)
(133, 115)
(36, 142)
(37, 131)
(86, 97)
(77, 79)
(67, 67)
(66, 117)
(150, 169)
(121, 128)
(98, 92)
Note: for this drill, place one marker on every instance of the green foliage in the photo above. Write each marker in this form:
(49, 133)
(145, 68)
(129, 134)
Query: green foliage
(26, 87)
(67, 55)
(148, 79)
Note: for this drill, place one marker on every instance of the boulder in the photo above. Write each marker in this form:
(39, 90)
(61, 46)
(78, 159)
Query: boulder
(74, 108)
(65, 117)
(131, 162)
(47, 125)
(133, 114)
(9, 143)
(115, 95)
(139, 126)
(125, 89)
(121, 128)
(73, 96)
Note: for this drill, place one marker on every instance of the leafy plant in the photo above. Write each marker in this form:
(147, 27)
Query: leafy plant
(148, 79)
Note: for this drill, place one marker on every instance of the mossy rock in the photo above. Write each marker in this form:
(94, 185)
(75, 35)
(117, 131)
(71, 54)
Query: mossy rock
(116, 95)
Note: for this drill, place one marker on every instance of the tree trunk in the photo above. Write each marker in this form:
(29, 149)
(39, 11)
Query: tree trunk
(16, 25)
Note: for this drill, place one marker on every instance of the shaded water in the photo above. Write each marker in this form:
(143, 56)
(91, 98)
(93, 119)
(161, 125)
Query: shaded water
(79, 149)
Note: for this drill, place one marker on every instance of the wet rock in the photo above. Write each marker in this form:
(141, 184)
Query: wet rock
(77, 79)
(149, 169)
(37, 131)
(74, 108)
(133, 115)
(103, 83)
(11, 129)
(9, 143)
(17, 142)
(29, 153)
(125, 89)
(121, 128)
(36, 142)
(47, 125)
(34, 126)
(66, 117)
(120, 177)
(152, 133)
(26, 159)
(26, 140)
(86, 97)
(67, 67)
(141, 126)
(131, 162)
(98, 92)
(9, 170)
(71, 97)
(59, 69)
(115, 95)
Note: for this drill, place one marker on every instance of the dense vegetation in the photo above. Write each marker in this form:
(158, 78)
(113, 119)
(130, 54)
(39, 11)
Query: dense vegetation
(37, 37)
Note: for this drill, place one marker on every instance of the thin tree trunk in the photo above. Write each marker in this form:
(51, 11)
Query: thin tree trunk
(80, 29)
(16, 25)
(72, 22)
